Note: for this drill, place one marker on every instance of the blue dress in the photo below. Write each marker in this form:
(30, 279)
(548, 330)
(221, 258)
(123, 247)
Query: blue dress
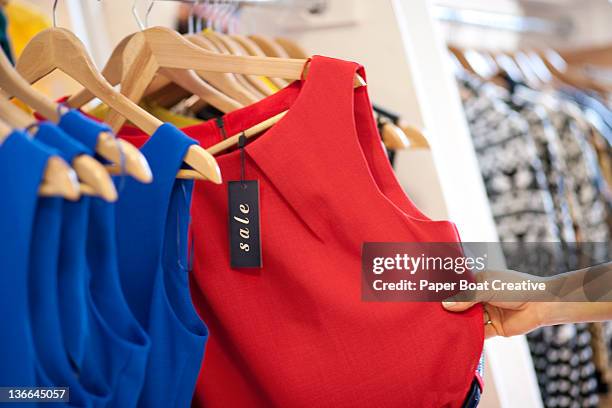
(124, 347)
(22, 164)
(82, 128)
(152, 225)
(58, 254)
(113, 351)
(72, 278)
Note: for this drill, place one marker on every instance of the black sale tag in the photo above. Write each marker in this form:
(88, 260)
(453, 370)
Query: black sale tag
(244, 225)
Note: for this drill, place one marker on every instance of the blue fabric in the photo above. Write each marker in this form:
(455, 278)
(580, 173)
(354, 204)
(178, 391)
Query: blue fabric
(152, 223)
(22, 165)
(111, 352)
(73, 279)
(72, 274)
(53, 365)
(53, 136)
(82, 128)
(127, 345)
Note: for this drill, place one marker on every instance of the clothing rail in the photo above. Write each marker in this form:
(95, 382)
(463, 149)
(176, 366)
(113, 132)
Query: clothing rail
(312, 6)
(503, 21)
(305, 4)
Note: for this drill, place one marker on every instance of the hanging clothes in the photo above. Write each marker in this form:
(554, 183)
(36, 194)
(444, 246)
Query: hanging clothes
(583, 175)
(284, 354)
(117, 352)
(522, 165)
(24, 22)
(154, 273)
(5, 42)
(22, 164)
(522, 206)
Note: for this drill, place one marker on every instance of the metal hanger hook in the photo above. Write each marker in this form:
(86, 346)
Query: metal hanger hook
(139, 21)
(191, 17)
(224, 20)
(55, 13)
(149, 13)
(203, 11)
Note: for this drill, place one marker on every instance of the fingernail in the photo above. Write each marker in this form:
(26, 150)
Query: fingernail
(448, 303)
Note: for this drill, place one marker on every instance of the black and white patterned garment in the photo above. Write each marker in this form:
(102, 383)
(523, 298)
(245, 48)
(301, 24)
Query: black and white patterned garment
(524, 211)
(516, 185)
(550, 153)
(583, 174)
(563, 359)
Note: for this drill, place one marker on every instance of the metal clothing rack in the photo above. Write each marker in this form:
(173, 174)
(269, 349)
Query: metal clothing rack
(304, 4)
(312, 6)
(503, 21)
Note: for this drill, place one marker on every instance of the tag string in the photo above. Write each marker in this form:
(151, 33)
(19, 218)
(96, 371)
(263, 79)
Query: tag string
(241, 143)
(190, 242)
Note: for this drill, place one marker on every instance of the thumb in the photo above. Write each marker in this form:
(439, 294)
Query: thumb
(453, 306)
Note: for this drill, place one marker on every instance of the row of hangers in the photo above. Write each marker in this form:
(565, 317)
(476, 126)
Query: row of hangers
(222, 70)
(537, 69)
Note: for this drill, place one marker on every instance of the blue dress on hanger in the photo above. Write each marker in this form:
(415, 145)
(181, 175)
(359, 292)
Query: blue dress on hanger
(127, 343)
(115, 350)
(72, 273)
(82, 128)
(22, 164)
(152, 225)
(61, 317)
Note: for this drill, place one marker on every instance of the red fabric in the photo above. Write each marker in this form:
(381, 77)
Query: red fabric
(296, 333)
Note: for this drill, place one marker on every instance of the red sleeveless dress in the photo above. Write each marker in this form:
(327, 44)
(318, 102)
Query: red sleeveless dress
(296, 333)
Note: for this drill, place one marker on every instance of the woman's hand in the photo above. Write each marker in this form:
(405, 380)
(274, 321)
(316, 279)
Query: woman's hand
(507, 318)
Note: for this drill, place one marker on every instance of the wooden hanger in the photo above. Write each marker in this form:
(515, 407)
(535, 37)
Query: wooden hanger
(259, 82)
(5, 131)
(57, 48)
(394, 138)
(270, 47)
(230, 47)
(292, 48)
(136, 53)
(59, 180)
(416, 137)
(253, 49)
(397, 138)
(563, 72)
(253, 131)
(459, 56)
(112, 72)
(480, 63)
(224, 81)
(174, 51)
(539, 67)
(531, 78)
(508, 65)
(396, 134)
(600, 55)
(227, 83)
(188, 80)
(107, 147)
(96, 179)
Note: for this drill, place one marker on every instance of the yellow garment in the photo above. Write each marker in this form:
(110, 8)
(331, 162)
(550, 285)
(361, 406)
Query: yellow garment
(24, 22)
(269, 84)
(159, 112)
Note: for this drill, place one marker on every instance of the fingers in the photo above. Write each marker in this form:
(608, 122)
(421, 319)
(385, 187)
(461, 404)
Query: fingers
(490, 331)
(453, 306)
(490, 316)
(493, 321)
